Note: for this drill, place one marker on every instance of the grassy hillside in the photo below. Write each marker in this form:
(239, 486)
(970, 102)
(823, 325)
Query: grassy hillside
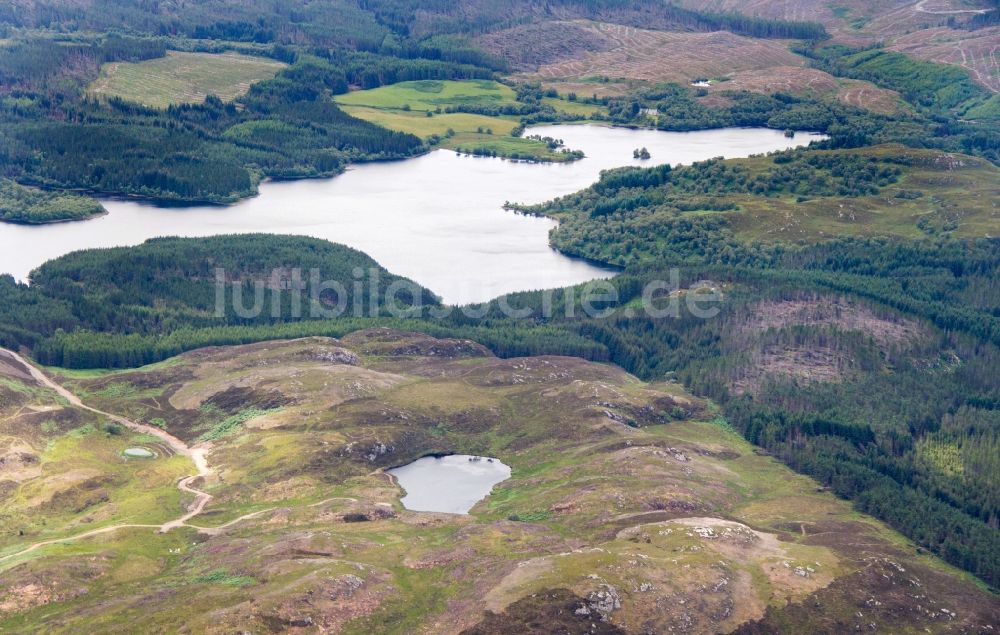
(63, 471)
(181, 78)
(937, 194)
(628, 501)
(793, 197)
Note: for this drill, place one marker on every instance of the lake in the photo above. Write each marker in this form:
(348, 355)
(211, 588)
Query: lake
(437, 219)
(450, 484)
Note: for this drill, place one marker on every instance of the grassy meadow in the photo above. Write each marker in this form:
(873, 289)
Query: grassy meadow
(424, 95)
(68, 473)
(419, 107)
(182, 77)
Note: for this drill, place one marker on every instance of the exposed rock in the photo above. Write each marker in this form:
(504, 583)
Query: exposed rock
(370, 452)
(345, 586)
(545, 613)
(604, 601)
(18, 459)
(336, 356)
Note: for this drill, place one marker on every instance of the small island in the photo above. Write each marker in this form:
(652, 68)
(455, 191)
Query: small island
(31, 206)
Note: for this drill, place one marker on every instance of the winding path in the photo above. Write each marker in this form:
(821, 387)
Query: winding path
(197, 454)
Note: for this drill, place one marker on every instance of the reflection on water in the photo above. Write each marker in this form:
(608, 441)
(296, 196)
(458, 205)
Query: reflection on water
(451, 484)
(436, 219)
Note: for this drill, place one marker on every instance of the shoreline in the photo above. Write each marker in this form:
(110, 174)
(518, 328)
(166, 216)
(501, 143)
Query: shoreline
(172, 203)
(167, 203)
(56, 221)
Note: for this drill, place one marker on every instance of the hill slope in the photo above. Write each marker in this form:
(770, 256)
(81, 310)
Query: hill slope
(627, 510)
(933, 30)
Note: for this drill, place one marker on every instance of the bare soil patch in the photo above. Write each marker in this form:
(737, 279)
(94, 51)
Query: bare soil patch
(885, 328)
(532, 45)
(975, 51)
(642, 54)
(805, 365)
(870, 97)
(771, 353)
(10, 367)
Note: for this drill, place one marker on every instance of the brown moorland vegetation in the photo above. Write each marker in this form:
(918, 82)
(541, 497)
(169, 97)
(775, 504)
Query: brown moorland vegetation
(797, 80)
(665, 56)
(627, 510)
(917, 28)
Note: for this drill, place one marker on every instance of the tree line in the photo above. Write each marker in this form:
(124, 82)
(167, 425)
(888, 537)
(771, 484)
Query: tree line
(212, 152)
(19, 204)
(913, 446)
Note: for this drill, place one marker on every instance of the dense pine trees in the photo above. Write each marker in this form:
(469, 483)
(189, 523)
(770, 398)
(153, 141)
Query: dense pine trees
(19, 204)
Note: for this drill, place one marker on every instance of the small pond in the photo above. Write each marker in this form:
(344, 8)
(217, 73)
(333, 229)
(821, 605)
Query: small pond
(451, 484)
(139, 453)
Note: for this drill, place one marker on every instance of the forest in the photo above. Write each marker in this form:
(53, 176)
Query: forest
(175, 280)
(214, 152)
(19, 204)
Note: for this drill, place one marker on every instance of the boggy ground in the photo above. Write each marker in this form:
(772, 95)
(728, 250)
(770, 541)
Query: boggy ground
(631, 509)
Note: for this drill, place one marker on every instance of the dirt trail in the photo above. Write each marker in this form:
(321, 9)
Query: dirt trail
(197, 454)
(94, 532)
(214, 531)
